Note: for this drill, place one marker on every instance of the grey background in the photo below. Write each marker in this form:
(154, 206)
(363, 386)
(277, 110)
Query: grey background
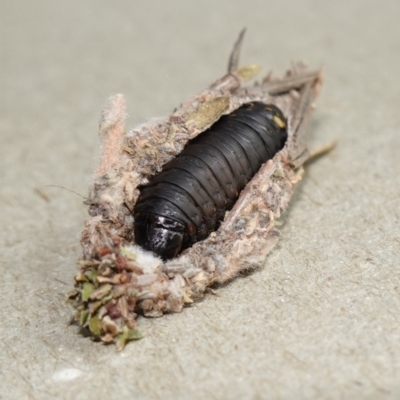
(321, 319)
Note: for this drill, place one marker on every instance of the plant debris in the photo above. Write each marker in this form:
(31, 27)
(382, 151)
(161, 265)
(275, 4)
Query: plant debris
(118, 279)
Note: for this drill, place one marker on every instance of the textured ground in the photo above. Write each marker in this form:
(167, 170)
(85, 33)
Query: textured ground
(321, 319)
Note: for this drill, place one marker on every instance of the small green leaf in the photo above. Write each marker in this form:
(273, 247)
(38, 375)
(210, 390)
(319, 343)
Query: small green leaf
(134, 335)
(121, 341)
(107, 298)
(83, 316)
(87, 290)
(91, 274)
(127, 335)
(95, 326)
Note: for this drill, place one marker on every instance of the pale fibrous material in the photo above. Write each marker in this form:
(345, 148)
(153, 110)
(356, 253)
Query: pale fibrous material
(117, 278)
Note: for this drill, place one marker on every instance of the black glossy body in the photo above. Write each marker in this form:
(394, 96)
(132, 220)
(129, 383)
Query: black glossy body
(185, 202)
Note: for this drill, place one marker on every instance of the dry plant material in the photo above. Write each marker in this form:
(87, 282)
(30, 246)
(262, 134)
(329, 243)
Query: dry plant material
(118, 279)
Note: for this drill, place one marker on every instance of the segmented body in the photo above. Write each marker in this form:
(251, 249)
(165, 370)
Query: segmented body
(185, 202)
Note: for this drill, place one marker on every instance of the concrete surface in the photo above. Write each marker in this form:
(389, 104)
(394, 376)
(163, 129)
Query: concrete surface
(321, 319)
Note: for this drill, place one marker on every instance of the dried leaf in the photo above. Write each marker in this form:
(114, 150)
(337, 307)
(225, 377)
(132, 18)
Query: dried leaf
(113, 280)
(88, 263)
(107, 338)
(101, 292)
(94, 306)
(248, 72)
(80, 277)
(109, 326)
(187, 299)
(73, 294)
(208, 112)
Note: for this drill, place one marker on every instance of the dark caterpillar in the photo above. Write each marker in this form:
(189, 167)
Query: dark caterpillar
(185, 202)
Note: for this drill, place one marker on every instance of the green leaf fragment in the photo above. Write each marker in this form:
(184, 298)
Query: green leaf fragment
(79, 309)
(126, 336)
(134, 335)
(83, 316)
(87, 290)
(91, 274)
(107, 298)
(95, 326)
